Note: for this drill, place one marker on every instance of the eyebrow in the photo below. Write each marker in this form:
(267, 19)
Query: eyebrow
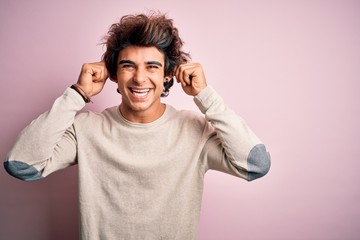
(154, 63)
(126, 62)
(133, 63)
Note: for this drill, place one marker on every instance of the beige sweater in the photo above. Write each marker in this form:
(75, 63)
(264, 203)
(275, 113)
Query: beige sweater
(138, 181)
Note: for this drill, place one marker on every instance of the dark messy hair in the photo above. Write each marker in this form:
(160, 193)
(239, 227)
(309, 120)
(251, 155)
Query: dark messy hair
(153, 30)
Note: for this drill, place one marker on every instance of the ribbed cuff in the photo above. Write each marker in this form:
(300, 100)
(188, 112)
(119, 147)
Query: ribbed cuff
(206, 98)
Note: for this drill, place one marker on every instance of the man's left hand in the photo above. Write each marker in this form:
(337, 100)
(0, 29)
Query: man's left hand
(192, 78)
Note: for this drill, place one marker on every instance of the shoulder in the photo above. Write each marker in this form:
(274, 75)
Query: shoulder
(91, 117)
(188, 118)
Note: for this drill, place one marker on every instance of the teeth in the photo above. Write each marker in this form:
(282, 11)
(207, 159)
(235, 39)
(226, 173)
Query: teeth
(140, 92)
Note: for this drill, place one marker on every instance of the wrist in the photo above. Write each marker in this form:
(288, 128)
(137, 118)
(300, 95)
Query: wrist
(82, 93)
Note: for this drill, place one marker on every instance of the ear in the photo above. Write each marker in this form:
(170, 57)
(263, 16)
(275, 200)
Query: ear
(168, 78)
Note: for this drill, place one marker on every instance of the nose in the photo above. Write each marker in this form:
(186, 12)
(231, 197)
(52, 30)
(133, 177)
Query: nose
(140, 76)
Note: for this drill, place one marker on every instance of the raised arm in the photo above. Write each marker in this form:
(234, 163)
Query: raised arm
(232, 146)
(49, 142)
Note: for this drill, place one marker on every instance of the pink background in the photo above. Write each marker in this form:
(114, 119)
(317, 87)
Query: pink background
(290, 68)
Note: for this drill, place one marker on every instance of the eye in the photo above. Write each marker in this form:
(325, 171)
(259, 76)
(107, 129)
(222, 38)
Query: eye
(127, 66)
(153, 66)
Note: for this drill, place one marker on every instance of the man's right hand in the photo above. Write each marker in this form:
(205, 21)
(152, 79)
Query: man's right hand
(93, 77)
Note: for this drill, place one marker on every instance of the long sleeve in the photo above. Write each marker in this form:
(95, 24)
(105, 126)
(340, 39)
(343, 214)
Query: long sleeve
(232, 148)
(48, 144)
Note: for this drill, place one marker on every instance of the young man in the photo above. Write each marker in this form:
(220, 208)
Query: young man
(142, 163)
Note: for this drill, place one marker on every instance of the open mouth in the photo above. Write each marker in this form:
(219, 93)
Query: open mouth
(139, 92)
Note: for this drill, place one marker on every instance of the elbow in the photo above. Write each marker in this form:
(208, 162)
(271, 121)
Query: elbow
(259, 162)
(22, 170)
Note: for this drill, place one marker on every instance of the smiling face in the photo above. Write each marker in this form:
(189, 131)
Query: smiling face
(140, 78)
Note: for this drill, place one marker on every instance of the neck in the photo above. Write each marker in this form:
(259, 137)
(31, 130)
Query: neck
(141, 116)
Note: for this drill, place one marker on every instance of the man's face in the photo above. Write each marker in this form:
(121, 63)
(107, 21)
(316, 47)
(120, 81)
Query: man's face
(140, 77)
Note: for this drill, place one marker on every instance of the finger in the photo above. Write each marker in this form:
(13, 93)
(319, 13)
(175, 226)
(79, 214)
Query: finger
(99, 73)
(98, 76)
(176, 73)
(189, 74)
(102, 67)
(85, 74)
(186, 78)
(181, 75)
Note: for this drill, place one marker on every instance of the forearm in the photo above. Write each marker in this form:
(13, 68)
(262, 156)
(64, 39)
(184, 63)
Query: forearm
(36, 150)
(240, 145)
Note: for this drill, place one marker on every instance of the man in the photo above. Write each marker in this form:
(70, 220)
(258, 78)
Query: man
(142, 163)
